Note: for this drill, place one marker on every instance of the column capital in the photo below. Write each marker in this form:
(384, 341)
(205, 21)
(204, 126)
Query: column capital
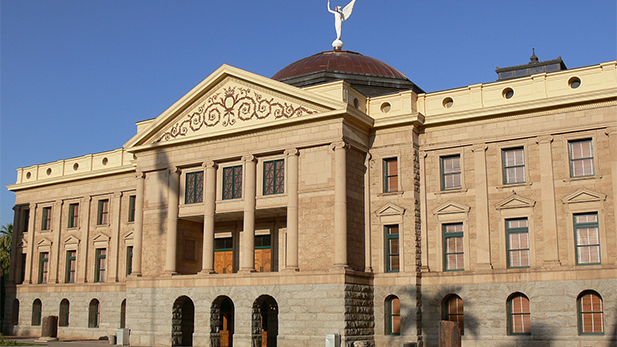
(423, 154)
(479, 147)
(544, 139)
(140, 174)
(16, 208)
(291, 151)
(610, 131)
(338, 145)
(174, 170)
(32, 205)
(117, 195)
(209, 164)
(248, 158)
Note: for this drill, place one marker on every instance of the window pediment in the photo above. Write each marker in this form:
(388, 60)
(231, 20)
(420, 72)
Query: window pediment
(583, 195)
(101, 241)
(72, 241)
(515, 201)
(390, 209)
(44, 244)
(451, 208)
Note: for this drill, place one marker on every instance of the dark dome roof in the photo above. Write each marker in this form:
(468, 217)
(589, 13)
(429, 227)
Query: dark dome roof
(344, 61)
(368, 75)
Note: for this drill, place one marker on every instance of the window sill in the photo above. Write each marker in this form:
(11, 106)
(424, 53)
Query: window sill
(452, 191)
(513, 185)
(583, 178)
(397, 193)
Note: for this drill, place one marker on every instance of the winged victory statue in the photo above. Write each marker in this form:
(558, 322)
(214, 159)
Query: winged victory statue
(339, 17)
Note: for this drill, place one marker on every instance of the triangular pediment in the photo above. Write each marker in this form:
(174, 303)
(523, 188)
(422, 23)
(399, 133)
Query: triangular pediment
(583, 195)
(451, 207)
(515, 201)
(128, 236)
(100, 241)
(232, 100)
(44, 243)
(390, 209)
(72, 241)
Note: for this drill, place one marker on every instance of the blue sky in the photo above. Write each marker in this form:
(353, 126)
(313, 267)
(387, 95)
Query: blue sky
(77, 74)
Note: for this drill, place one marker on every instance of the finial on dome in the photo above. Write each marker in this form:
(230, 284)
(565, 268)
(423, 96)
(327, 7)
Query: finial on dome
(533, 58)
(340, 15)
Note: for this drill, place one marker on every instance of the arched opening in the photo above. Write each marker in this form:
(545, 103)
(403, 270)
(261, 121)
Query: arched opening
(590, 313)
(123, 314)
(15, 313)
(519, 315)
(222, 322)
(63, 317)
(37, 307)
(182, 322)
(94, 313)
(453, 311)
(393, 315)
(265, 322)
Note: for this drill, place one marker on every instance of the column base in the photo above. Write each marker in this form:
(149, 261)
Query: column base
(206, 272)
(169, 273)
(339, 268)
(247, 271)
(291, 269)
(135, 274)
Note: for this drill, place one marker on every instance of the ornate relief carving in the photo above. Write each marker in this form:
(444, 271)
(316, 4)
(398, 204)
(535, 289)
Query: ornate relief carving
(233, 105)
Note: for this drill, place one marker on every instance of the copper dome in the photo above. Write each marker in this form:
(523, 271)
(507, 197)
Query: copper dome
(343, 61)
(368, 75)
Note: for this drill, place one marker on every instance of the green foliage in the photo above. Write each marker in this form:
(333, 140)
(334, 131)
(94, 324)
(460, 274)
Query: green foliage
(6, 239)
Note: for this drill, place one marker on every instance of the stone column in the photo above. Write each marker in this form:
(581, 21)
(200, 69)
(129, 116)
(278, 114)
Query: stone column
(172, 221)
(138, 229)
(340, 204)
(292, 209)
(368, 251)
(114, 243)
(54, 256)
(612, 144)
(207, 266)
(17, 229)
(247, 256)
(30, 252)
(549, 214)
(483, 235)
(82, 262)
(423, 213)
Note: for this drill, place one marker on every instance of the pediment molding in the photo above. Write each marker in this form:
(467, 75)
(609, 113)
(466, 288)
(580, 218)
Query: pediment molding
(100, 241)
(390, 209)
(44, 244)
(515, 201)
(583, 195)
(232, 100)
(72, 241)
(451, 208)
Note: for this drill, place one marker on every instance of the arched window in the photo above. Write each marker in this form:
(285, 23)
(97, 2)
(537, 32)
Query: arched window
(37, 307)
(123, 314)
(393, 315)
(63, 317)
(453, 310)
(94, 314)
(519, 315)
(590, 313)
(15, 312)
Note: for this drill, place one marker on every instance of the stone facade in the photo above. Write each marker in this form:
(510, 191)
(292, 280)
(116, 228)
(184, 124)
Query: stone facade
(350, 230)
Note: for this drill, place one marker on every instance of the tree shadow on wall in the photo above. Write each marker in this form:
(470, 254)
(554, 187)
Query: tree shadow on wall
(541, 335)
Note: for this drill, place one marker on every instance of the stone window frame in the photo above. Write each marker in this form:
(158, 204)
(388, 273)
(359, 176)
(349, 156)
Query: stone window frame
(103, 211)
(451, 213)
(94, 313)
(128, 242)
(444, 154)
(445, 310)
(581, 313)
(511, 314)
(448, 235)
(391, 214)
(43, 267)
(260, 177)
(46, 218)
(578, 246)
(390, 315)
(385, 174)
(391, 236)
(183, 197)
(72, 218)
(518, 230)
(515, 207)
(131, 209)
(67, 274)
(580, 202)
(510, 146)
(37, 312)
(590, 135)
(220, 183)
(64, 313)
(100, 242)
(71, 244)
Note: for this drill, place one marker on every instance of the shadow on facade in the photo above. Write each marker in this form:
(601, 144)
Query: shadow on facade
(541, 335)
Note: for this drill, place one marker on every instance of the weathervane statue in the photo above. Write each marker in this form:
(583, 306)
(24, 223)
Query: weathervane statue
(339, 17)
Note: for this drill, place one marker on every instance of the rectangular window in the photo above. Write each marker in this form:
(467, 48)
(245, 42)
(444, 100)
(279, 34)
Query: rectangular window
(26, 220)
(392, 248)
(73, 215)
(129, 260)
(46, 221)
(587, 235)
(43, 267)
(71, 266)
(517, 232)
(223, 255)
(513, 165)
(581, 158)
(451, 172)
(22, 269)
(453, 247)
(390, 175)
(194, 192)
(274, 177)
(131, 208)
(103, 216)
(263, 253)
(99, 274)
(232, 182)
